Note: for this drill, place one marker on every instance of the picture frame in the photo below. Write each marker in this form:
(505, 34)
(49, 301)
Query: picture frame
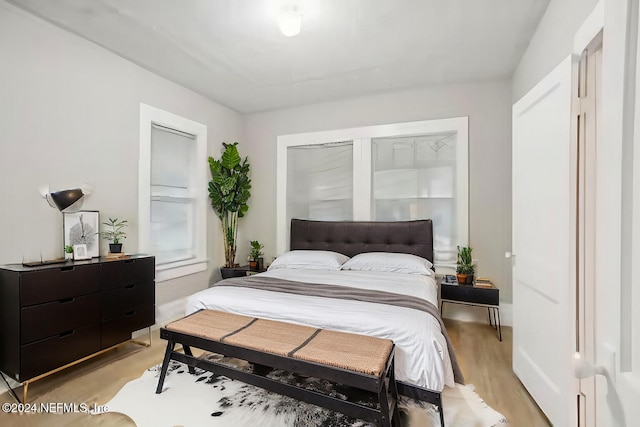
(80, 252)
(82, 228)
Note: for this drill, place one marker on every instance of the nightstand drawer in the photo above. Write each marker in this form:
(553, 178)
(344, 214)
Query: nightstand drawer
(470, 294)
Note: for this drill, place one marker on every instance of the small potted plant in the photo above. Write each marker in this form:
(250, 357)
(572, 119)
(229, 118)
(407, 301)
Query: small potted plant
(256, 262)
(114, 233)
(464, 266)
(68, 252)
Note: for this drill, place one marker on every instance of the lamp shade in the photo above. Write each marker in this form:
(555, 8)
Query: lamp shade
(66, 198)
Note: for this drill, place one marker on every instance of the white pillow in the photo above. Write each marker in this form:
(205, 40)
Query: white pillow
(389, 262)
(309, 260)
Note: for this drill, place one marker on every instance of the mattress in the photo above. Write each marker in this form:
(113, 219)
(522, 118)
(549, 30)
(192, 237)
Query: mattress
(422, 358)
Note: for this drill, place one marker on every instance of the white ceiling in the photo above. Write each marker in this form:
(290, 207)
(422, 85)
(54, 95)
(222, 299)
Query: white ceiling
(232, 52)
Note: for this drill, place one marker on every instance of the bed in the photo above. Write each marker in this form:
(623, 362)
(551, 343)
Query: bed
(423, 361)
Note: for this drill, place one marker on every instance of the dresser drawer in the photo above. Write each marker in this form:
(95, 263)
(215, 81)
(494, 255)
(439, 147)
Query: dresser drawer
(43, 356)
(120, 273)
(120, 301)
(117, 330)
(45, 320)
(470, 294)
(58, 283)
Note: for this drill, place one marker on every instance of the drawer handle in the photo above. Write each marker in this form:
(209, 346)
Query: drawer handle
(66, 334)
(131, 313)
(67, 300)
(130, 286)
(129, 261)
(68, 268)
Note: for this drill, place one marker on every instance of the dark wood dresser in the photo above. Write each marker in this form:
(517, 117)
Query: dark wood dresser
(53, 315)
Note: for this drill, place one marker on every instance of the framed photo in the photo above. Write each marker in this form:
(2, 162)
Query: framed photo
(81, 228)
(80, 252)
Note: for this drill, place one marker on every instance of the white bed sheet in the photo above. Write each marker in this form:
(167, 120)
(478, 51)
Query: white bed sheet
(421, 350)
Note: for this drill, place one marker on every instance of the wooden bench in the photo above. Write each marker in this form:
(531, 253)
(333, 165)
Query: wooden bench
(359, 361)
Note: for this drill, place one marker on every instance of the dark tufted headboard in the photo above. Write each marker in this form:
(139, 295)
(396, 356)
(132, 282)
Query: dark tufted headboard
(354, 237)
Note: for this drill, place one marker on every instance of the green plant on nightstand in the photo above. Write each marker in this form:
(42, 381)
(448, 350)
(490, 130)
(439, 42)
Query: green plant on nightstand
(256, 261)
(464, 266)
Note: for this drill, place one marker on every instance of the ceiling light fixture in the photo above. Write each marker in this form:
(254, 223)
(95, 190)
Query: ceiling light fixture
(290, 20)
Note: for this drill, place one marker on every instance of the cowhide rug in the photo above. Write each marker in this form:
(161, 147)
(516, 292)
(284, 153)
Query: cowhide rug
(207, 399)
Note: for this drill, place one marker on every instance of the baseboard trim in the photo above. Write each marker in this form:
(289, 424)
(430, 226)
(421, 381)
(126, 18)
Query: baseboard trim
(467, 313)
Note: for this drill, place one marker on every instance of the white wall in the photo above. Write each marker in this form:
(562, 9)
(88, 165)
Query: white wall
(69, 112)
(488, 106)
(551, 43)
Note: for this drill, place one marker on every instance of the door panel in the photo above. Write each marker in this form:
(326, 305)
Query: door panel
(544, 317)
(618, 222)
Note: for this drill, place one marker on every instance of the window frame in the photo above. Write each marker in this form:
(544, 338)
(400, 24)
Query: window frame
(148, 116)
(362, 168)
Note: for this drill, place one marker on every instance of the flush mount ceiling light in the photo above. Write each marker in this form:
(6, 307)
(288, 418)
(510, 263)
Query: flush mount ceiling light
(290, 20)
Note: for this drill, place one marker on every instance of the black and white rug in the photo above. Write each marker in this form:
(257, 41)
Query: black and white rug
(217, 401)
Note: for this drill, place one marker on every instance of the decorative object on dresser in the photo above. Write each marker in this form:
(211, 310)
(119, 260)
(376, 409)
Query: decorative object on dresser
(114, 233)
(68, 252)
(80, 252)
(52, 317)
(81, 228)
(464, 266)
(229, 191)
(256, 262)
(483, 295)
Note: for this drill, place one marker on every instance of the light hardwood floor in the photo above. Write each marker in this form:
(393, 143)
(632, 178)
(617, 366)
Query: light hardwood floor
(484, 360)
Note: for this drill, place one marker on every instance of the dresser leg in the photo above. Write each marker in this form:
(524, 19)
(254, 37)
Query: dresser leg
(25, 388)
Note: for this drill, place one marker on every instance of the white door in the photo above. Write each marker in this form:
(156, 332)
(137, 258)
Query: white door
(543, 296)
(617, 334)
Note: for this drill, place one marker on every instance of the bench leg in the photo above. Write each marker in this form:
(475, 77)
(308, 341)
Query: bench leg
(395, 419)
(187, 351)
(389, 418)
(385, 416)
(165, 365)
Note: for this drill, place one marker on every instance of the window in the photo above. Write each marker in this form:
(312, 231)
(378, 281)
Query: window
(319, 182)
(172, 193)
(391, 172)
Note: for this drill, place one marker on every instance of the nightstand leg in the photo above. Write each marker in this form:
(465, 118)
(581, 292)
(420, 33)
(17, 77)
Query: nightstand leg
(490, 319)
(499, 328)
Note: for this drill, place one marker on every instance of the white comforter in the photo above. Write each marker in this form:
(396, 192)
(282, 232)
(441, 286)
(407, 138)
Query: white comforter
(421, 350)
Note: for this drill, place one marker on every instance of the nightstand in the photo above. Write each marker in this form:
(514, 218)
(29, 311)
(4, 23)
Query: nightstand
(454, 293)
(241, 271)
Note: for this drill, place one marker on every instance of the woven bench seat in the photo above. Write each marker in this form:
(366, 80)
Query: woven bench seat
(353, 360)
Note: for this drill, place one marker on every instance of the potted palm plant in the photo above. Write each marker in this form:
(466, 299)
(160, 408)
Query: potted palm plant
(114, 233)
(256, 261)
(464, 266)
(229, 191)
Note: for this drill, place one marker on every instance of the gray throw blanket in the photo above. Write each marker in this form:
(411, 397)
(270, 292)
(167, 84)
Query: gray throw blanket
(344, 292)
